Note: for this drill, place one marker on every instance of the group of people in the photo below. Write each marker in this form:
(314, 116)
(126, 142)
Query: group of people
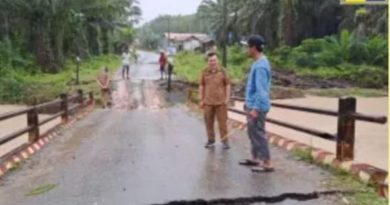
(103, 78)
(214, 92)
(163, 62)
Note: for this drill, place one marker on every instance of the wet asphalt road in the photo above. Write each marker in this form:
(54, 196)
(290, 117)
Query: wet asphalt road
(148, 151)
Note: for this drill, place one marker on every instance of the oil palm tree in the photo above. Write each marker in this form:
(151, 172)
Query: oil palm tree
(53, 29)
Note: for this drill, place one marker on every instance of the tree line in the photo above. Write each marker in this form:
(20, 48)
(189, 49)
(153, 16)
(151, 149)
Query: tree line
(45, 33)
(288, 22)
(281, 22)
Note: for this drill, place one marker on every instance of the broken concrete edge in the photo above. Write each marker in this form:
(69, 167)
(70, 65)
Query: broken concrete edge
(365, 172)
(12, 162)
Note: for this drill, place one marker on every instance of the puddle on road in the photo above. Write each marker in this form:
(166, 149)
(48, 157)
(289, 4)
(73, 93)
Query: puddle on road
(136, 94)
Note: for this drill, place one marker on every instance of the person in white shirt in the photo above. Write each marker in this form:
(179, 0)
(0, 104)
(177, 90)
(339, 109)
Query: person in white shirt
(125, 65)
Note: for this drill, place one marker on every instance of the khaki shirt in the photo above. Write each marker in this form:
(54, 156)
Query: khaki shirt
(214, 84)
(103, 78)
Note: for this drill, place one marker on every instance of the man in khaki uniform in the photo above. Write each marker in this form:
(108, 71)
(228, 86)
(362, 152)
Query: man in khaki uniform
(103, 80)
(214, 91)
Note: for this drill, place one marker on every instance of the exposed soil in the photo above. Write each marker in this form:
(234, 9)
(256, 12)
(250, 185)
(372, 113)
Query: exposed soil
(278, 92)
(290, 79)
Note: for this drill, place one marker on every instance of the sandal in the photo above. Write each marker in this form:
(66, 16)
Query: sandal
(248, 162)
(263, 169)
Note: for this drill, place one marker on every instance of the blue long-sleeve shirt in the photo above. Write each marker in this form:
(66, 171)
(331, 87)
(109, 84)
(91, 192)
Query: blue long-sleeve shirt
(257, 95)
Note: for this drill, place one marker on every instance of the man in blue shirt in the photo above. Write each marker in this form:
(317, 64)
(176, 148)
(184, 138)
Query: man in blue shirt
(257, 105)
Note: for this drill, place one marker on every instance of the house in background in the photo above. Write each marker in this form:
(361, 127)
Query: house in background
(187, 41)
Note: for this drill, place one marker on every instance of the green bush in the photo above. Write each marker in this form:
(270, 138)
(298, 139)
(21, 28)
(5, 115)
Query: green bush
(238, 63)
(358, 53)
(283, 52)
(370, 77)
(377, 52)
(11, 90)
(363, 62)
(311, 46)
(302, 59)
(236, 55)
(328, 58)
(363, 75)
(189, 65)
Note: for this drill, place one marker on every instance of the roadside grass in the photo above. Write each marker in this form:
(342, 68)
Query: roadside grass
(304, 155)
(365, 194)
(88, 75)
(188, 66)
(41, 190)
(18, 87)
(16, 166)
(340, 92)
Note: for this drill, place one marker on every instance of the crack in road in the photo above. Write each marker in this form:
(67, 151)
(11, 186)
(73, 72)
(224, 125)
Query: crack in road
(265, 199)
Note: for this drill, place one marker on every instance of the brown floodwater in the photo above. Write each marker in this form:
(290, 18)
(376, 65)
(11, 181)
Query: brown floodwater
(16, 123)
(371, 139)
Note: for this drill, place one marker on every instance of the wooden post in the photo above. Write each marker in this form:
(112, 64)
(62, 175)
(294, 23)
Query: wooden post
(64, 108)
(78, 70)
(170, 69)
(346, 129)
(91, 98)
(189, 96)
(81, 96)
(33, 121)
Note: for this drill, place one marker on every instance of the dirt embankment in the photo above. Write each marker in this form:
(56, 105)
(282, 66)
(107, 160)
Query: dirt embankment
(290, 79)
(286, 84)
(277, 92)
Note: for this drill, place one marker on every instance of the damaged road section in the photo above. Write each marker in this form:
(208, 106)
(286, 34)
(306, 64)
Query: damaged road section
(265, 199)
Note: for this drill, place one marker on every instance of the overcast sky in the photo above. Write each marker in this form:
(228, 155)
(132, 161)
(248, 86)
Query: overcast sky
(153, 8)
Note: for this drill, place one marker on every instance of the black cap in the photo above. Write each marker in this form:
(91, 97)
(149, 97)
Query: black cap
(256, 41)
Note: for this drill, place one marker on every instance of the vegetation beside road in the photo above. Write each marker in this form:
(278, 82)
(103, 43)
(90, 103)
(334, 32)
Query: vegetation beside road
(339, 92)
(188, 65)
(365, 194)
(361, 66)
(39, 41)
(339, 46)
(23, 87)
(361, 62)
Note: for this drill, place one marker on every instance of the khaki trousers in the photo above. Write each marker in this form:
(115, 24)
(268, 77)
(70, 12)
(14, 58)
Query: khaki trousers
(210, 113)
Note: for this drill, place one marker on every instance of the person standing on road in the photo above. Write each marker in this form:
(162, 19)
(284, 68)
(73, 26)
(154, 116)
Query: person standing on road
(162, 61)
(134, 55)
(104, 82)
(214, 93)
(257, 105)
(125, 64)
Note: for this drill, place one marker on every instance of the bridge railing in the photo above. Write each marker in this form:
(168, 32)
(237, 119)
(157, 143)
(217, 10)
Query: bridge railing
(66, 106)
(346, 115)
